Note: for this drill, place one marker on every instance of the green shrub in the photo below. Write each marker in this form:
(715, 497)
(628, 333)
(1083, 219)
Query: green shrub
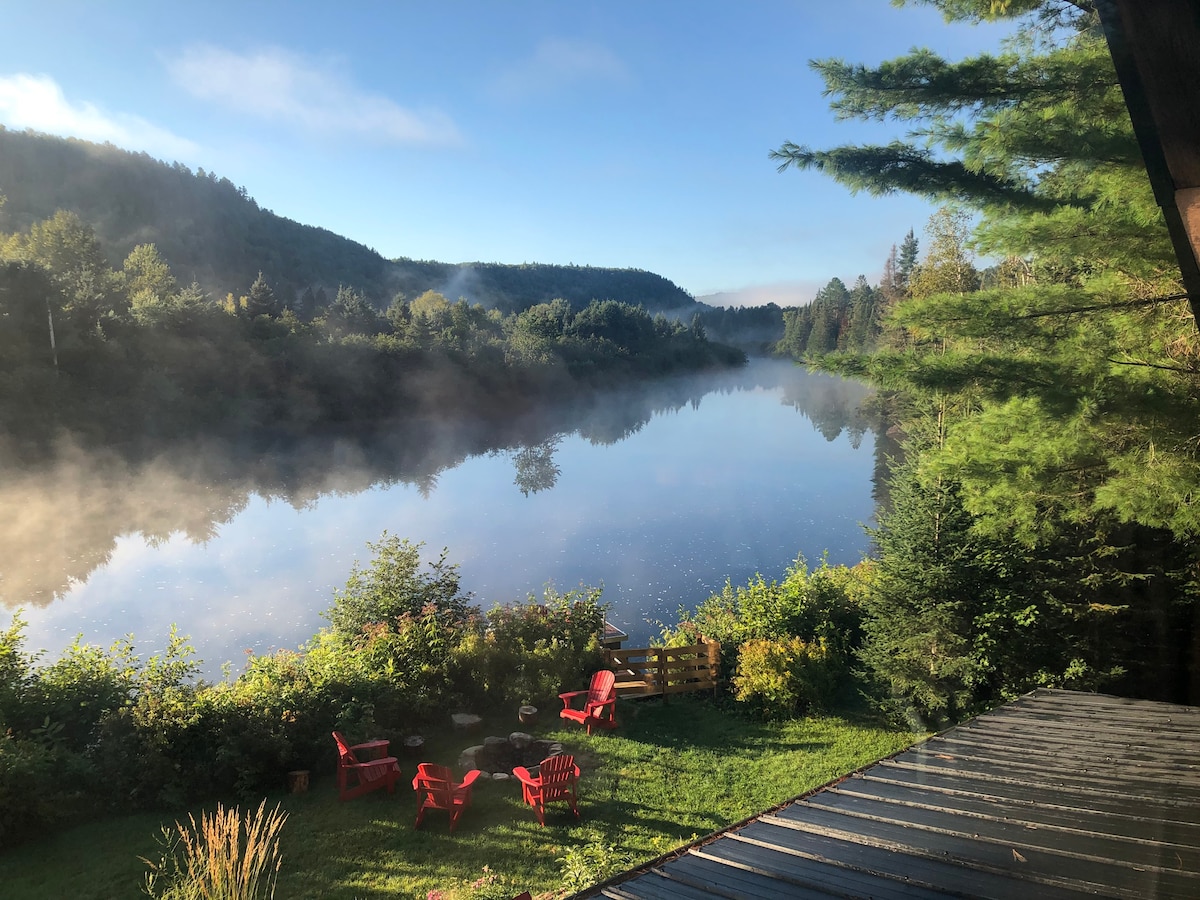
(17, 675)
(86, 683)
(393, 586)
(43, 784)
(590, 863)
(822, 605)
(45, 777)
(532, 651)
(778, 678)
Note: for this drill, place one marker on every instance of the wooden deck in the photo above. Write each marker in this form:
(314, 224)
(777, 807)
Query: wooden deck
(1059, 794)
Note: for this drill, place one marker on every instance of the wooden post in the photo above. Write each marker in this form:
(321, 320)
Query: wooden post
(714, 664)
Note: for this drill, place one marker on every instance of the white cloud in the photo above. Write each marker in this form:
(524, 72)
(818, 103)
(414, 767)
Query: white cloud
(38, 103)
(559, 63)
(275, 85)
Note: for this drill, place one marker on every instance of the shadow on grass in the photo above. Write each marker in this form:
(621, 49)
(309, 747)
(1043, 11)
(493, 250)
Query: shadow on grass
(374, 851)
(669, 771)
(698, 723)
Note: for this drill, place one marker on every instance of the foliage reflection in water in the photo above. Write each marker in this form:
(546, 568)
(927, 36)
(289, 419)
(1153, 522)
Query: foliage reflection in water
(659, 493)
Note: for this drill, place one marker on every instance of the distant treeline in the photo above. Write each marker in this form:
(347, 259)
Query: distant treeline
(129, 351)
(851, 320)
(214, 233)
(758, 329)
(836, 319)
(515, 288)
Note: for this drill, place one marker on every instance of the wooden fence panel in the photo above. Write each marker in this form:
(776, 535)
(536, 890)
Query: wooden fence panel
(660, 671)
(636, 669)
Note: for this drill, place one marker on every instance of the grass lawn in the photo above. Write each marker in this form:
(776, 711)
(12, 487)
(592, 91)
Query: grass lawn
(671, 772)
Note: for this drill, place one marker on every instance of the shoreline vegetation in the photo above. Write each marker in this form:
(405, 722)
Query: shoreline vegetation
(109, 355)
(100, 735)
(100, 730)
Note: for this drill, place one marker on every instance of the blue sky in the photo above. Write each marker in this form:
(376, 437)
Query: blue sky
(628, 134)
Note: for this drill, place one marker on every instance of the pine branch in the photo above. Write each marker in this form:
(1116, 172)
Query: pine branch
(902, 167)
(922, 85)
(1103, 307)
(1185, 370)
(974, 315)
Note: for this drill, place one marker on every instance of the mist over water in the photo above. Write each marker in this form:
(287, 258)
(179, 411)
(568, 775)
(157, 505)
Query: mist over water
(659, 493)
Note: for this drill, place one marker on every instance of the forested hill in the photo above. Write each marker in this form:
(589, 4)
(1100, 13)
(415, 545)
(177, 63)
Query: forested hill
(515, 288)
(207, 229)
(213, 232)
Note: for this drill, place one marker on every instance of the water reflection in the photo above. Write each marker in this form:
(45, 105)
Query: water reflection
(67, 514)
(834, 408)
(536, 468)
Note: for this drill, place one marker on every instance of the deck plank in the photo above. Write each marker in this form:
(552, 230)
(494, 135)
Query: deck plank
(1056, 795)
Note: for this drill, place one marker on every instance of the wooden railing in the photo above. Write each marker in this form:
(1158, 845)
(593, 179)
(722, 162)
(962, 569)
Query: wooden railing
(661, 671)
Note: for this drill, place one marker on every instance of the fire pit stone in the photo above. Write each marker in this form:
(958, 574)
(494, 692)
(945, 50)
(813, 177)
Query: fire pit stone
(498, 754)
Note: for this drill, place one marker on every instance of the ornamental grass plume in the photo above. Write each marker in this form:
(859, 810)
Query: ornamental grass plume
(222, 857)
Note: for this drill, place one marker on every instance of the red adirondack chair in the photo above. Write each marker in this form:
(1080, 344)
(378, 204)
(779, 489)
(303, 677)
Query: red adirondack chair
(368, 774)
(436, 789)
(557, 779)
(599, 705)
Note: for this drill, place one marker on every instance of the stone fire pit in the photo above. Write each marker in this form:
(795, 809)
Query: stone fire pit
(503, 754)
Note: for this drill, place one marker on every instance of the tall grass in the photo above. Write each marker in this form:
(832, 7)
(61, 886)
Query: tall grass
(222, 857)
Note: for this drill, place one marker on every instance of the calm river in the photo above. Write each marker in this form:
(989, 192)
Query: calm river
(659, 495)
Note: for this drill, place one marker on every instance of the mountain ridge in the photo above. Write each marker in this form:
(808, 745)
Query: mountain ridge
(215, 233)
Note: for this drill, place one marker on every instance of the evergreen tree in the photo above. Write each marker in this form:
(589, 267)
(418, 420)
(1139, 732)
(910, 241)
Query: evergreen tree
(261, 299)
(306, 305)
(931, 579)
(350, 313)
(892, 290)
(862, 322)
(906, 261)
(320, 304)
(829, 311)
(148, 278)
(959, 618)
(797, 326)
(1066, 394)
(69, 251)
